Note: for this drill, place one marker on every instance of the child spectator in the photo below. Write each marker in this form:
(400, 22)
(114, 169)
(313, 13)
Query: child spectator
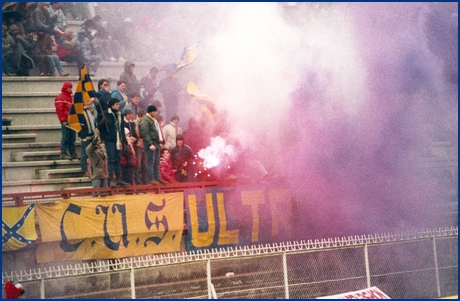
(98, 171)
(166, 167)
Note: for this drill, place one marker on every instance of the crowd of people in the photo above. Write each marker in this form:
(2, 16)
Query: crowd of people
(123, 140)
(31, 30)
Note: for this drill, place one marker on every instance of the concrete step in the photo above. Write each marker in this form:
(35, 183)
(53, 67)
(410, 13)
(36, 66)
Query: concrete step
(9, 149)
(19, 137)
(44, 184)
(108, 70)
(35, 156)
(28, 100)
(58, 173)
(31, 117)
(15, 171)
(40, 133)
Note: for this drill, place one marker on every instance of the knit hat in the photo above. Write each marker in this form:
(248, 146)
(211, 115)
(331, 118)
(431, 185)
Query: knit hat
(127, 111)
(151, 108)
(179, 137)
(13, 290)
(12, 28)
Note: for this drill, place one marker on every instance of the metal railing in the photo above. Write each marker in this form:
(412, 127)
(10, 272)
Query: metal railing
(416, 264)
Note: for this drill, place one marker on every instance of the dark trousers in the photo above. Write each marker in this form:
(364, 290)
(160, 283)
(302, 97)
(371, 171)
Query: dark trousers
(67, 140)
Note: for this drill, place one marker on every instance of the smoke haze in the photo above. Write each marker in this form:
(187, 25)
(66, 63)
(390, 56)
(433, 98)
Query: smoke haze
(340, 100)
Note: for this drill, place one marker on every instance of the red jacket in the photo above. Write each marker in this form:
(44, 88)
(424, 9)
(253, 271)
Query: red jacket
(63, 102)
(166, 170)
(65, 46)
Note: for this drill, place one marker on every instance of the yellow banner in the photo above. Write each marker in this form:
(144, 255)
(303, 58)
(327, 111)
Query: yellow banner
(111, 227)
(18, 227)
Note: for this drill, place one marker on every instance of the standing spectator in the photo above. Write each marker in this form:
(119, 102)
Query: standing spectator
(46, 46)
(166, 167)
(17, 58)
(128, 76)
(182, 160)
(120, 93)
(195, 135)
(68, 51)
(97, 156)
(63, 102)
(84, 44)
(170, 89)
(103, 96)
(57, 17)
(150, 81)
(149, 130)
(130, 130)
(133, 104)
(112, 133)
(170, 131)
(140, 176)
(32, 46)
(87, 133)
(129, 161)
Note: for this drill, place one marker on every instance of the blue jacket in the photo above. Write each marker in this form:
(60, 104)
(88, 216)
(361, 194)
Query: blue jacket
(83, 42)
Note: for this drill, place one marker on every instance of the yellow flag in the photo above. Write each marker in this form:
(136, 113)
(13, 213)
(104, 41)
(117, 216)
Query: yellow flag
(18, 227)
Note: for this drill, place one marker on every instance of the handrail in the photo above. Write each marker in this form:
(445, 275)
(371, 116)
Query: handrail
(20, 197)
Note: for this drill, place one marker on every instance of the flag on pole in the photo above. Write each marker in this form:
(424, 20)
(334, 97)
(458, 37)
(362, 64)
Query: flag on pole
(206, 102)
(18, 227)
(83, 93)
(188, 56)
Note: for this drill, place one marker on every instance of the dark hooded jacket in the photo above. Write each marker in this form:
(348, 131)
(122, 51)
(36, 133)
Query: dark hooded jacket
(63, 102)
(132, 85)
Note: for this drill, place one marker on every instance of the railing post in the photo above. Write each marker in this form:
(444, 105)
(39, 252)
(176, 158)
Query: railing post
(436, 269)
(18, 201)
(208, 276)
(368, 270)
(42, 289)
(133, 286)
(285, 273)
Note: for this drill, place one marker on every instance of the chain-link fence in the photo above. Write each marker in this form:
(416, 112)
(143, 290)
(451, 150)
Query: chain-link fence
(406, 265)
